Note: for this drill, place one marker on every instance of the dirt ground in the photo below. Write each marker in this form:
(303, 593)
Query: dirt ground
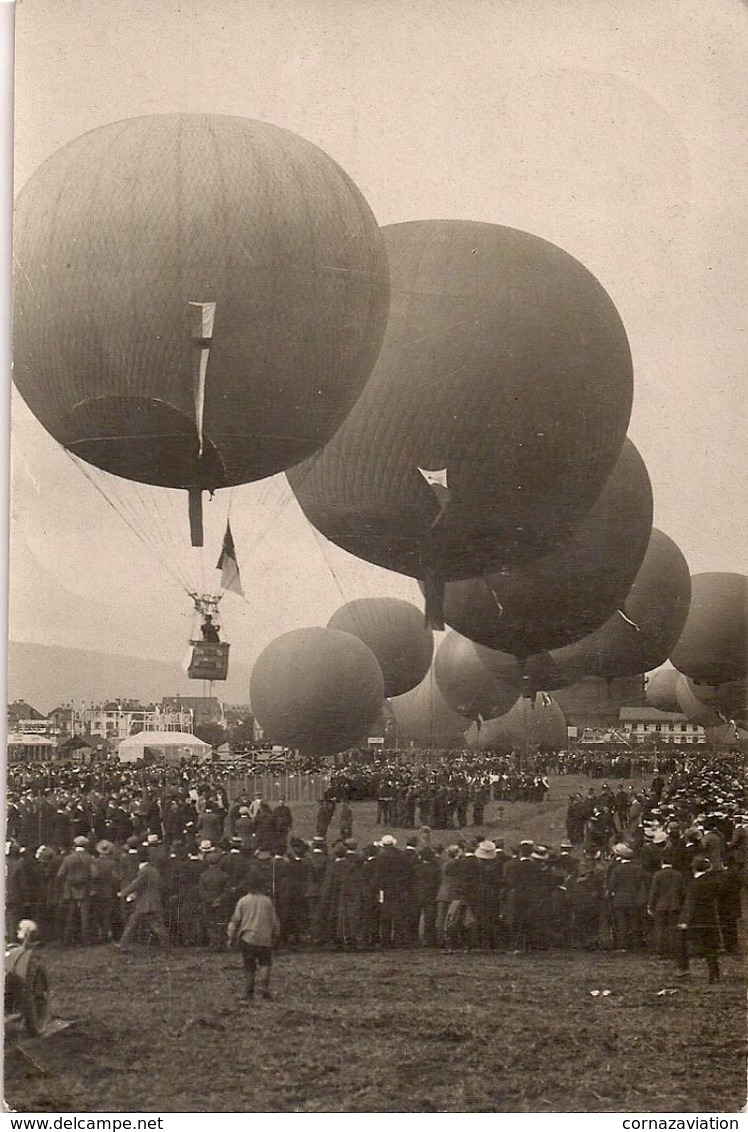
(397, 1031)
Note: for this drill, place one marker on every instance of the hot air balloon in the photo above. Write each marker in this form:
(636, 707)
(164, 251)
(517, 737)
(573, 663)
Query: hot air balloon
(493, 417)
(562, 596)
(529, 725)
(639, 636)
(423, 717)
(713, 647)
(394, 631)
(661, 690)
(319, 690)
(199, 299)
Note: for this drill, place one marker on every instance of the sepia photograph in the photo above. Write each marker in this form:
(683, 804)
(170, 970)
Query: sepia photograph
(377, 638)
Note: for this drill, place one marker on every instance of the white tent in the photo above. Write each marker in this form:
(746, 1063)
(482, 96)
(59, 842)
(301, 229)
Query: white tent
(171, 745)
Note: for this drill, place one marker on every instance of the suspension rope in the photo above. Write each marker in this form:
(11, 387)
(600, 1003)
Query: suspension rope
(120, 511)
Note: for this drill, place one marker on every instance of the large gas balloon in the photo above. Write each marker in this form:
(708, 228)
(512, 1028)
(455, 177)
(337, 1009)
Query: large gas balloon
(593, 700)
(713, 647)
(729, 700)
(494, 414)
(694, 709)
(199, 298)
(537, 724)
(423, 717)
(639, 636)
(470, 679)
(394, 631)
(560, 597)
(661, 690)
(317, 689)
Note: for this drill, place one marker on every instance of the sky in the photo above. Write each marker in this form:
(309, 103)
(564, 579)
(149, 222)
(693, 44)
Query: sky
(617, 131)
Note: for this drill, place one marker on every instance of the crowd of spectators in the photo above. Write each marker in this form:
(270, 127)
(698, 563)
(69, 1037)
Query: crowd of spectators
(173, 869)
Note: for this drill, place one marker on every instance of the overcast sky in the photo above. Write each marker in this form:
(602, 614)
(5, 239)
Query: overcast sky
(616, 130)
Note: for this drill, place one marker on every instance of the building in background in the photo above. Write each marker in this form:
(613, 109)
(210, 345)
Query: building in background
(647, 725)
(204, 709)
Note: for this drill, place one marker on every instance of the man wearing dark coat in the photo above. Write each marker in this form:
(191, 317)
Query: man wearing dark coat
(74, 875)
(214, 887)
(283, 823)
(667, 892)
(426, 880)
(628, 889)
(148, 910)
(319, 864)
(392, 877)
(700, 920)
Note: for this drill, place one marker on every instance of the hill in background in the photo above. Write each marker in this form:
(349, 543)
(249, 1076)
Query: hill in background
(49, 675)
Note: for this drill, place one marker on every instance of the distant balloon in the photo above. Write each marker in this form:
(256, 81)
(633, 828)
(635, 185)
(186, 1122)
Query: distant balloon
(424, 717)
(529, 725)
(594, 700)
(640, 635)
(394, 631)
(199, 298)
(493, 417)
(727, 737)
(470, 680)
(562, 596)
(662, 690)
(320, 690)
(713, 647)
(703, 715)
(729, 700)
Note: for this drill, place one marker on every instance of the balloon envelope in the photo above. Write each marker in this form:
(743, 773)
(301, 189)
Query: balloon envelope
(423, 717)
(394, 630)
(638, 637)
(713, 647)
(470, 680)
(594, 700)
(661, 690)
(122, 229)
(704, 715)
(494, 415)
(727, 737)
(729, 700)
(562, 596)
(537, 724)
(316, 689)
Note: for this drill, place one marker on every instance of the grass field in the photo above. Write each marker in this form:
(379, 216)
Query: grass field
(544, 822)
(403, 1031)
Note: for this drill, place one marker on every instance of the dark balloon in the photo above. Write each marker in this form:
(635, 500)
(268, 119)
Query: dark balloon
(537, 724)
(471, 680)
(713, 647)
(641, 634)
(593, 700)
(662, 690)
(560, 597)
(727, 737)
(493, 417)
(394, 631)
(423, 717)
(123, 228)
(729, 700)
(317, 689)
(693, 708)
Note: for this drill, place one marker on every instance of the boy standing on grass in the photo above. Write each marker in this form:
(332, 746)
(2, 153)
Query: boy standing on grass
(255, 925)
